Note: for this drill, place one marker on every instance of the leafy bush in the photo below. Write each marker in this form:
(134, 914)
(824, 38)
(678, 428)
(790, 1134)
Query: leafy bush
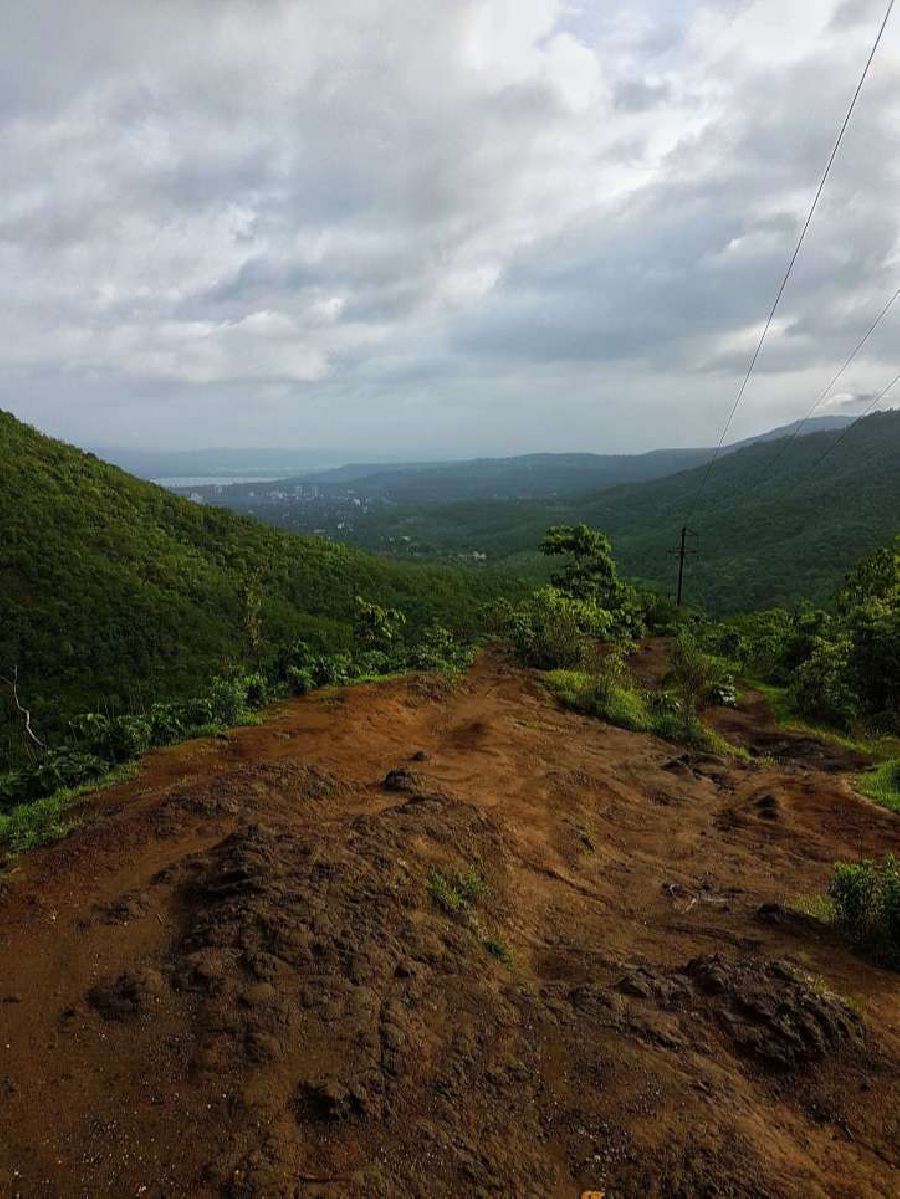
(63, 768)
(165, 726)
(257, 689)
(866, 899)
(228, 700)
(195, 713)
(129, 737)
(821, 687)
(13, 789)
(691, 675)
(33, 824)
(551, 629)
(437, 649)
(661, 614)
(300, 680)
(620, 703)
(376, 626)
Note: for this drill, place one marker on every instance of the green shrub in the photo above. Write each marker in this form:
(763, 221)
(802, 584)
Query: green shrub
(128, 737)
(300, 680)
(90, 731)
(34, 824)
(165, 726)
(63, 768)
(331, 670)
(227, 697)
(256, 689)
(821, 687)
(13, 789)
(866, 899)
(194, 713)
(691, 675)
(551, 630)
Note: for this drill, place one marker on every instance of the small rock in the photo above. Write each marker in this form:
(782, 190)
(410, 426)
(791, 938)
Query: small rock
(401, 779)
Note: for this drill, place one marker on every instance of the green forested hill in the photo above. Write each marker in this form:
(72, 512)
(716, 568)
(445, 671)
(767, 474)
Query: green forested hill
(114, 592)
(794, 535)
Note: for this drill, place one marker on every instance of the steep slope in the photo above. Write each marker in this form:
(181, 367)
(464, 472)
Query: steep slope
(115, 591)
(794, 535)
(544, 967)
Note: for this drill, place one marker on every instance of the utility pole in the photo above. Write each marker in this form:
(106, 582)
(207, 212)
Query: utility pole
(681, 553)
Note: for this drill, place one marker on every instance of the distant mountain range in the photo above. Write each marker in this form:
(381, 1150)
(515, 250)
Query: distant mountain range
(771, 527)
(523, 476)
(816, 424)
(773, 523)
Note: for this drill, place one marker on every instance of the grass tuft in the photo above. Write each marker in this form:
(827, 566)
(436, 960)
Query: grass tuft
(881, 783)
(455, 893)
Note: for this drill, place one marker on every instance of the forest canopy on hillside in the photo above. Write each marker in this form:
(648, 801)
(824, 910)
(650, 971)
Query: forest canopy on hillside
(116, 593)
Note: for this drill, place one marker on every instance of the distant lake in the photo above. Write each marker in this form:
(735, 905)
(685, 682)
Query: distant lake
(212, 480)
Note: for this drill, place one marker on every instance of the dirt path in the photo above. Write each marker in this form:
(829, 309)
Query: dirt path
(235, 978)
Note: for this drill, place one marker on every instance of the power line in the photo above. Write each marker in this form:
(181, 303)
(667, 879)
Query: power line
(793, 259)
(837, 441)
(785, 443)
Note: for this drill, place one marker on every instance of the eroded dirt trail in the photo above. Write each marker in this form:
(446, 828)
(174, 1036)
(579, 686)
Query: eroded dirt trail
(235, 979)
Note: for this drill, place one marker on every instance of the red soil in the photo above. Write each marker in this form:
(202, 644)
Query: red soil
(234, 978)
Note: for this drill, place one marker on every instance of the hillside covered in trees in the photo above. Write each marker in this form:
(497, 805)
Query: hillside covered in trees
(774, 524)
(116, 593)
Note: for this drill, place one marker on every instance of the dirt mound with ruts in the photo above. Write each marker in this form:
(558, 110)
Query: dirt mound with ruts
(400, 941)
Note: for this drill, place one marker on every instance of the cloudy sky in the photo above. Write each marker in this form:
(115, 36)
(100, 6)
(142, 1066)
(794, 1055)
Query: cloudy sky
(438, 226)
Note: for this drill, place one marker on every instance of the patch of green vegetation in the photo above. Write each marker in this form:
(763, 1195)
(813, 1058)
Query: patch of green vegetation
(784, 711)
(498, 949)
(456, 892)
(863, 903)
(866, 899)
(817, 905)
(808, 527)
(117, 594)
(835, 668)
(31, 825)
(881, 783)
(630, 707)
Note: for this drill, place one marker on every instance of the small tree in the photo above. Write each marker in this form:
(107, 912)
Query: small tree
(690, 676)
(590, 572)
(375, 627)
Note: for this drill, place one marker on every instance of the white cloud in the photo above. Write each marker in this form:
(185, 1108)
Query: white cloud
(481, 225)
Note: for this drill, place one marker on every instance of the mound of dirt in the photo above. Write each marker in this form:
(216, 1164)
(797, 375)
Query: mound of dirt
(321, 970)
(560, 964)
(767, 1011)
(773, 1013)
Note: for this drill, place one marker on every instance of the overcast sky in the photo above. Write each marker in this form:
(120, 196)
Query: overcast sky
(438, 226)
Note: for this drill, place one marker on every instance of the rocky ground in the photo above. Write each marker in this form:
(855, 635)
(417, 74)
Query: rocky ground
(404, 942)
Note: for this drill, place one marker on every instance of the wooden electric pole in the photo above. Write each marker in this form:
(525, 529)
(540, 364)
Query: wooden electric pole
(681, 553)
